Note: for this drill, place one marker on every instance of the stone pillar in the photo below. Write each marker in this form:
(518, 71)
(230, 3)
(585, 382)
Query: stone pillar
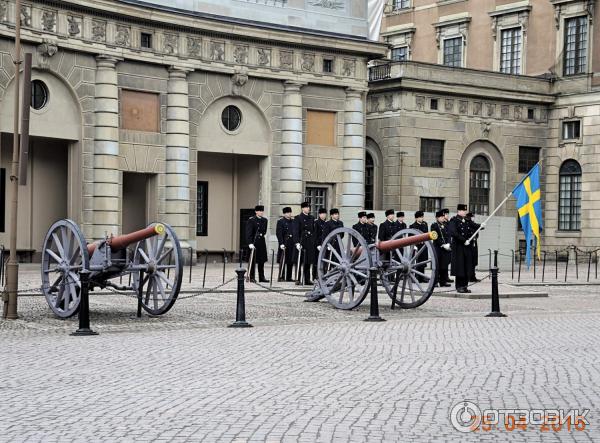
(177, 184)
(353, 186)
(106, 149)
(291, 146)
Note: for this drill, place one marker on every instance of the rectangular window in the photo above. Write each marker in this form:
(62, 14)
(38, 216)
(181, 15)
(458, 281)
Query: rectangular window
(2, 199)
(146, 40)
(431, 204)
(317, 197)
(528, 157)
(453, 52)
(320, 128)
(575, 50)
(327, 65)
(432, 153)
(510, 52)
(571, 130)
(140, 111)
(202, 209)
(401, 4)
(400, 54)
(530, 113)
(569, 205)
(433, 104)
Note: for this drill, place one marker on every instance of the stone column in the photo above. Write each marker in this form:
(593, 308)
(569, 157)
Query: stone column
(291, 146)
(106, 149)
(177, 184)
(353, 186)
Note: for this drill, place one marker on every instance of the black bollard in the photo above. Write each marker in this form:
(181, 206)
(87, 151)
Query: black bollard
(84, 306)
(191, 252)
(140, 294)
(556, 265)
(512, 265)
(240, 310)
(589, 266)
(596, 264)
(224, 263)
(576, 263)
(533, 254)
(205, 265)
(272, 264)
(495, 295)
(567, 265)
(520, 262)
(544, 267)
(374, 312)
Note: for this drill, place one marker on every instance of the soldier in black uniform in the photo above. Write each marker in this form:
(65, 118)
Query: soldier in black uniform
(256, 229)
(285, 237)
(333, 223)
(461, 258)
(420, 225)
(361, 226)
(371, 229)
(474, 248)
(389, 227)
(446, 212)
(400, 220)
(319, 229)
(305, 240)
(442, 248)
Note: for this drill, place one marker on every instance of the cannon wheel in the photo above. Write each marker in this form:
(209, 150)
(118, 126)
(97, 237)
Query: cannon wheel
(162, 257)
(64, 255)
(401, 279)
(343, 274)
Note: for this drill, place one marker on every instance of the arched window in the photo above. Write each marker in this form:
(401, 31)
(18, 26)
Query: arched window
(479, 185)
(569, 201)
(369, 181)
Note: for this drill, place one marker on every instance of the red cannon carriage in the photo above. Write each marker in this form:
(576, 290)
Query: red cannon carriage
(156, 254)
(407, 267)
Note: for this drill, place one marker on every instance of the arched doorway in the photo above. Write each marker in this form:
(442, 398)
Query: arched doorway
(233, 172)
(479, 185)
(54, 185)
(373, 176)
(482, 178)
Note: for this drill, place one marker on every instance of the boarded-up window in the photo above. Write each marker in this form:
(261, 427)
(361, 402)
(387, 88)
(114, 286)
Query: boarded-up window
(320, 128)
(140, 111)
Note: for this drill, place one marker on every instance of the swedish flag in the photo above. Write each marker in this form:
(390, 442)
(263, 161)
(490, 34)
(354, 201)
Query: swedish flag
(529, 205)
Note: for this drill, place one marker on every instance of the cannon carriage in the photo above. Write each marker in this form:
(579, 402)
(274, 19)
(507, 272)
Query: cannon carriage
(154, 265)
(406, 264)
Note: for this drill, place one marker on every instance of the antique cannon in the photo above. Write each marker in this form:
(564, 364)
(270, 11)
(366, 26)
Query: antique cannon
(406, 265)
(156, 256)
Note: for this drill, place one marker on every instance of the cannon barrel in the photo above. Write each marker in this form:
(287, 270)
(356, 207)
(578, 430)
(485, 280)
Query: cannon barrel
(389, 245)
(122, 241)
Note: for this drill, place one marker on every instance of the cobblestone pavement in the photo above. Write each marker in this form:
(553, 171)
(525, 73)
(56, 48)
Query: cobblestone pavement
(306, 372)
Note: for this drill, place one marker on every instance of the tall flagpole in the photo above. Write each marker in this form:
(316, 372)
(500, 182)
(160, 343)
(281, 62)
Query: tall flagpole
(487, 219)
(12, 267)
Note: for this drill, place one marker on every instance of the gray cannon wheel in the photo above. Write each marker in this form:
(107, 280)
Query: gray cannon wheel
(64, 255)
(343, 274)
(400, 277)
(161, 256)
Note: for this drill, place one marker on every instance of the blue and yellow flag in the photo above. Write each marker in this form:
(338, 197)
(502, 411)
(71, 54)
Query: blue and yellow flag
(529, 205)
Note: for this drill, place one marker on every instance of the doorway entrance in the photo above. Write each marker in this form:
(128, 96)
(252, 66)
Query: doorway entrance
(139, 201)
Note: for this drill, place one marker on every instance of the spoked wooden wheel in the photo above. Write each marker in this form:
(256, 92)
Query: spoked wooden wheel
(343, 268)
(408, 274)
(161, 258)
(64, 255)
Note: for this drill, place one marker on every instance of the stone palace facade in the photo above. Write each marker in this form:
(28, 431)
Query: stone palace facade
(190, 116)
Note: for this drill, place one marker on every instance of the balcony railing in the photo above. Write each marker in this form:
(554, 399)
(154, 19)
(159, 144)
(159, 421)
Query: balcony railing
(380, 72)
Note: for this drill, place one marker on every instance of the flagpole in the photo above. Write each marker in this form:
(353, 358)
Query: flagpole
(487, 219)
